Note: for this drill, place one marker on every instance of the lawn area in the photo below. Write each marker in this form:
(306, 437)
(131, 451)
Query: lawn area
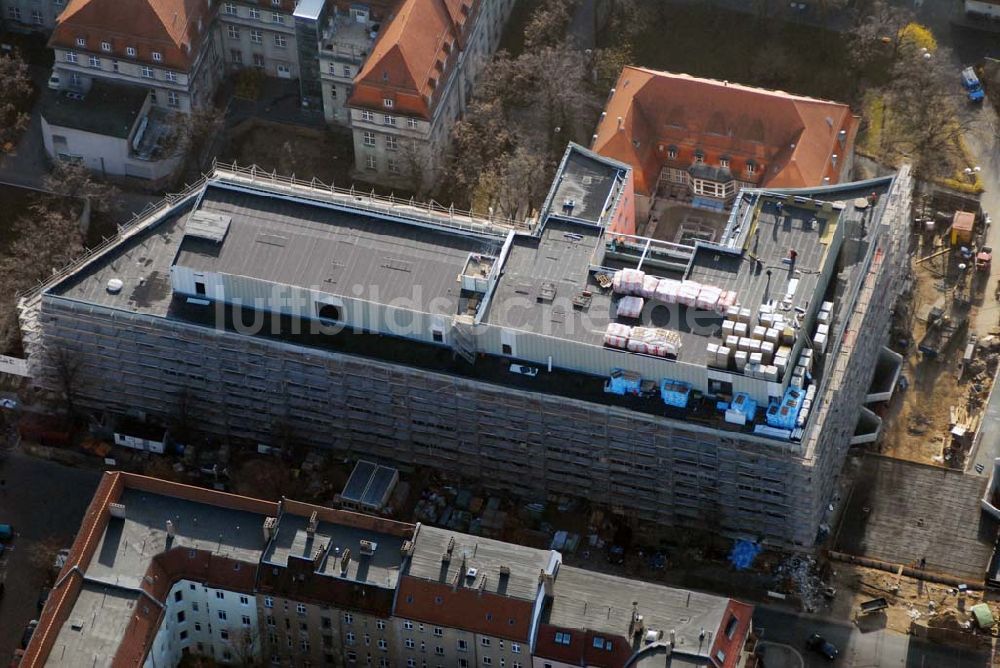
(707, 41)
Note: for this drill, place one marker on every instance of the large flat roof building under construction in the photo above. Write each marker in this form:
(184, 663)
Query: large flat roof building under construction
(651, 362)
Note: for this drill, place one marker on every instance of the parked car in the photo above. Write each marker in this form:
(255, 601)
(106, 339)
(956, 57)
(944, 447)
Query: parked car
(60, 559)
(29, 631)
(822, 646)
(524, 370)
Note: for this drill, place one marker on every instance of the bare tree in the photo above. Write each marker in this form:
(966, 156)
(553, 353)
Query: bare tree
(66, 369)
(547, 24)
(876, 36)
(15, 98)
(924, 112)
(248, 647)
(44, 239)
(73, 180)
(509, 187)
(193, 133)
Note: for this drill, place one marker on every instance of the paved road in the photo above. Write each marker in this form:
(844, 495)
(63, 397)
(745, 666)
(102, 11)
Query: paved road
(45, 502)
(875, 649)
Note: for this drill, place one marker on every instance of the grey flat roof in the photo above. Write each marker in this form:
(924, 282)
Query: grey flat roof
(380, 569)
(92, 633)
(106, 109)
(560, 257)
(129, 544)
(767, 246)
(483, 554)
(342, 253)
(141, 262)
(587, 181)
(602, 603)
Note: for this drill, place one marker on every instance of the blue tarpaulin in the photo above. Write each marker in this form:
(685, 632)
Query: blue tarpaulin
(744, 553)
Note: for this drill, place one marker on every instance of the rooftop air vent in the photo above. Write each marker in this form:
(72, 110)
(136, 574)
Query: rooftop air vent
(472, 573)
(368, 547)
(115, 286)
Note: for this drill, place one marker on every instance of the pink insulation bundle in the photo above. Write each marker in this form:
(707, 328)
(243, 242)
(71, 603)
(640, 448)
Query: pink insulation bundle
(688, 293)
(630, 307)
(617, 335)
(628, 281)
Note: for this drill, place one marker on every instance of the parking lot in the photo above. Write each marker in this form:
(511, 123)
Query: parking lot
(45, 502)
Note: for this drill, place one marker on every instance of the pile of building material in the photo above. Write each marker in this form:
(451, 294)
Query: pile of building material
(633, 282)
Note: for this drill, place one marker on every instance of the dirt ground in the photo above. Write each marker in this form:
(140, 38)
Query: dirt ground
(918, 420)
(304, 153)
(910, 601)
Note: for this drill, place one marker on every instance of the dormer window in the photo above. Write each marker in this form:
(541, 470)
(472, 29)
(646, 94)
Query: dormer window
(724, 162)
(106, 46)
(275, 3)
(751, 166)
(672, 152)
(387, 103)
(130, 51)
(699, 156)
(157, 56)
(81, 41)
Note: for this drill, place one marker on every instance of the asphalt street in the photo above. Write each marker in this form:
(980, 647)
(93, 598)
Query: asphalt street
(788, 632)
(45, 502)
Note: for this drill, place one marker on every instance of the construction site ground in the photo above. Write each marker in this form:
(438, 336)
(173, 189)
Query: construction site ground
(914, 605)
(917, 422)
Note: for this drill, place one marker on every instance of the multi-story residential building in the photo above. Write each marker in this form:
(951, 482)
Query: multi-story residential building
(708, 139)
(161, 570)
(345, 44)
(117, 79)
(166, 47)
(416, 82)
(715, 385)
(259, 34)
(30, 15)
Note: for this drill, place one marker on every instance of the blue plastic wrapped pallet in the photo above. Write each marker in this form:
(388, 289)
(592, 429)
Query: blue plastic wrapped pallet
(782, 415)
(675, 393)
(623, 382)
(743, 403)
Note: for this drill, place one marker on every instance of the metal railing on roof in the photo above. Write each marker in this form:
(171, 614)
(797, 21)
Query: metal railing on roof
(429, 212)
(124, 230)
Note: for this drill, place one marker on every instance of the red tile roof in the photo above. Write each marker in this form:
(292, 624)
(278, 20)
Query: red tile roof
(790, 139)
(413, 56)
(173, 28)
(466, 608)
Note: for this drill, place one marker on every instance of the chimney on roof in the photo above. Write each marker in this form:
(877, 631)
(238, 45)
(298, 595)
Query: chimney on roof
(546, 581)
(117, 510)
(345, 560)
(505, 571)
(406, 549)
(318, 555)
(621, 123)
(170, 529)
(833, 159)
(673, 637)
(269, 525)
(842, 135)
(313, 523)
(482, 584)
